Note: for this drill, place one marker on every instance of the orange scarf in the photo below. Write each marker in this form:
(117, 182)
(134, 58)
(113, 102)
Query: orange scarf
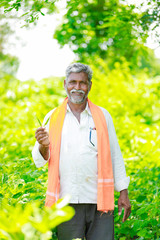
(105, 191)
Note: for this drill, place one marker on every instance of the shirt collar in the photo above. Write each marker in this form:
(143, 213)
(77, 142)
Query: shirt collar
(87, 109)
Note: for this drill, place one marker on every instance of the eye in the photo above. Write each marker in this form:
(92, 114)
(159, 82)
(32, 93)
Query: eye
(83, 83)
(72, 82)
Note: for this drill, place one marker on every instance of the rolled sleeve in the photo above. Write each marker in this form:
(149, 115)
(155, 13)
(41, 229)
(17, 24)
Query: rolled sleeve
(37, 157)
(122, 184)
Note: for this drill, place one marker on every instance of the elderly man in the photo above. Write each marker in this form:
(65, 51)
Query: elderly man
(85, 160)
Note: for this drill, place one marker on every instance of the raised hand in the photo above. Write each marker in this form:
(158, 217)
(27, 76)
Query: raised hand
(42, 136)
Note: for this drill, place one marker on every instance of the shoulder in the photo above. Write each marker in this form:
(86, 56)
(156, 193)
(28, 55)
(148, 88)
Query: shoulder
(107, 115)
(105, 112)
(48, 115)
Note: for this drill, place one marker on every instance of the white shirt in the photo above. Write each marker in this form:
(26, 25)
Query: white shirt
(78, 157)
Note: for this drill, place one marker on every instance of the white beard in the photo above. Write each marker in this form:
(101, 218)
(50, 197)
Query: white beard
(76, 99)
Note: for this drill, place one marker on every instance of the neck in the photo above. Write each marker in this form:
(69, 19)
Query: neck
(77, 107)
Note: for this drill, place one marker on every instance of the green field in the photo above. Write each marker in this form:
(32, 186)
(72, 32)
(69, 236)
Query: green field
(134, 105)
(110, 36)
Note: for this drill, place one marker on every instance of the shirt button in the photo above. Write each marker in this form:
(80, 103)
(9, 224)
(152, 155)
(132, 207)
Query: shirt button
(87, 179)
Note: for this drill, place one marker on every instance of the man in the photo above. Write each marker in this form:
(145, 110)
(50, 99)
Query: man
(84, 160)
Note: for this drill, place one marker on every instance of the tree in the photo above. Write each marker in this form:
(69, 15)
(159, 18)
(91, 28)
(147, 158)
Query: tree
(28, 10)
(8, 63)
(25, 10)
(150, 17)
(109, 29)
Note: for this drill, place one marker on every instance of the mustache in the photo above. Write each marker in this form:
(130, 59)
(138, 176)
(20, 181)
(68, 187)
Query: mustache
(77, 91)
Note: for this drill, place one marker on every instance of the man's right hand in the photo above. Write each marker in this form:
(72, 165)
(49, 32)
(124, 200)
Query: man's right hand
(42, 136)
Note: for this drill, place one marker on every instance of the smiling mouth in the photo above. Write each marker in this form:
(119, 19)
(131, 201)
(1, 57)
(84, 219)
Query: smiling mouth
(76, 93)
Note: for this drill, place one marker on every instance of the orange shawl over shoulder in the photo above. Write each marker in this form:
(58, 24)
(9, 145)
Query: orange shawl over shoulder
(105, 191)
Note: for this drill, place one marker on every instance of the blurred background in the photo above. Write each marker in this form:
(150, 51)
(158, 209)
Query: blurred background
(120, 40)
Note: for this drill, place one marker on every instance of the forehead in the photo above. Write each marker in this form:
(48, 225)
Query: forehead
(78, 76)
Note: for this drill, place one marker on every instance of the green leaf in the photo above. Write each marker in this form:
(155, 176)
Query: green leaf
(143, 233)
(17, 195)
(46, 122)
(39, 121)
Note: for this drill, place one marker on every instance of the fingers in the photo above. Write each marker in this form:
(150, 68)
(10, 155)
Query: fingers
(42, 136)
(127, 212)
(123, 202)
(40, 139)
(119, 209)
(41, 131)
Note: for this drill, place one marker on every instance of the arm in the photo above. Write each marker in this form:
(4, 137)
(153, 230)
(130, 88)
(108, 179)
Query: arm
(42, 137)
(40, 152)
(37, 156)
(123, 202)
(121, 181)
(119, 172)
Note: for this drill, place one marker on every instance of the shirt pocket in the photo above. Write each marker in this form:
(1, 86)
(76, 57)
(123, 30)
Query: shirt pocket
(92, 138)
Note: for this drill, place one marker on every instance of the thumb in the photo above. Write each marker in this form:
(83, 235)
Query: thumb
(119, 210)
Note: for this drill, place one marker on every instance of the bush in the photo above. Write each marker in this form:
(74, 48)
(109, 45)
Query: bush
(133, 102)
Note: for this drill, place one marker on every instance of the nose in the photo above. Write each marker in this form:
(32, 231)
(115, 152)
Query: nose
(77, 86)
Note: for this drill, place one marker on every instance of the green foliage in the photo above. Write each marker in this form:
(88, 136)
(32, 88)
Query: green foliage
(133, 102)
(5, 30)
(21, 183)
(107, 29)
(150, 17)
(8, 63)
(20, 103)
(32, 221)
(109, 36)
(29, 10)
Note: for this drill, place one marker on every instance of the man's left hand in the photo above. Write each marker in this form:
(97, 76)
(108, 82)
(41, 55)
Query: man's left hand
(123, 202)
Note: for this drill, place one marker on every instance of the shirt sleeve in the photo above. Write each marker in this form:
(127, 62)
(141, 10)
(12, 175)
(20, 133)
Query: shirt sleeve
(121, 181)
(36, 155)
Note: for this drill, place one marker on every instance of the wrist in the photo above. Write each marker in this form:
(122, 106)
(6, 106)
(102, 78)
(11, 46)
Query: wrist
(44, 146)
(124, 191)
(44, 150)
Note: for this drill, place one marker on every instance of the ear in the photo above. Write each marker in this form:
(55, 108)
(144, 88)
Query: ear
(90, 85)
(64, 83)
